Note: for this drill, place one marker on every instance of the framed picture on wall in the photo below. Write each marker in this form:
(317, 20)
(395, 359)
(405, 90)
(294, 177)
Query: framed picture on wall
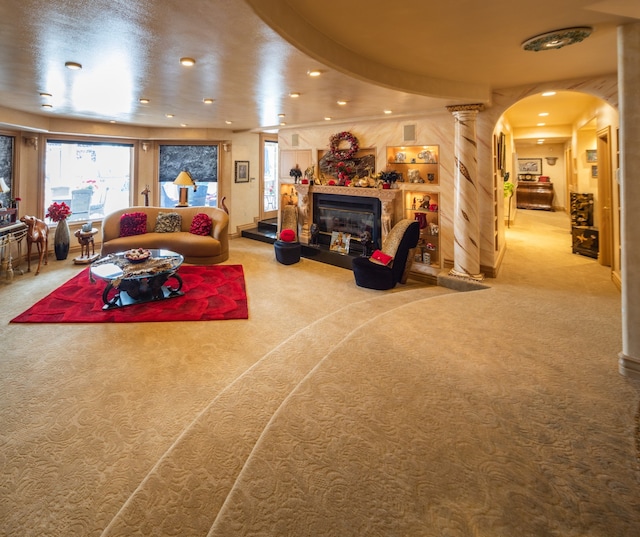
(592, 155)
(242, 171)
(594, 171)
(531, 166)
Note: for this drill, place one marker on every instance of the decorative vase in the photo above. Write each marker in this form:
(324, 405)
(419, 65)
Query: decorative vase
(61, 240)
(386, 186)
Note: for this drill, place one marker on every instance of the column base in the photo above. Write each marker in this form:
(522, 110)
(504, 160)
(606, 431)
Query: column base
(474, 277)
(628, 367)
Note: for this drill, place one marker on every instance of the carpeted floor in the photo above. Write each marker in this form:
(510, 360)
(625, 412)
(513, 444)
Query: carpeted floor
(333, 410)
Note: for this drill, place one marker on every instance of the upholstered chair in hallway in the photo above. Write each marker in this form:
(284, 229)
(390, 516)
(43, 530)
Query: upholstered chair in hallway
(390, 265)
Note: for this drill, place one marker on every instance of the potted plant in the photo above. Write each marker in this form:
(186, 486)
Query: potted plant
(388, 178)
(58, 213)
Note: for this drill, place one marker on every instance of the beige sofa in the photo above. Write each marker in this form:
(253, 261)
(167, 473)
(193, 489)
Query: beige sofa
(196, 249)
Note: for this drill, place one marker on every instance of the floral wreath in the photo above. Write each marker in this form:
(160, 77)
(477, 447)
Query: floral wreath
(343, 154)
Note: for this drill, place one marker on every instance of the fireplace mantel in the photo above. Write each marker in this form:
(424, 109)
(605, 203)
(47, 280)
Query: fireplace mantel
(305, 205)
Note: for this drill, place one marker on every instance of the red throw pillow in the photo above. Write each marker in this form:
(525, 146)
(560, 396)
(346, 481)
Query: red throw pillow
(287, 235)
(381, 258)
(133, 224)
(201, 224)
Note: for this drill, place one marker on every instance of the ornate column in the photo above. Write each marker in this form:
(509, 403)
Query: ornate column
(304, 211)
(628, 89)
(466, 224)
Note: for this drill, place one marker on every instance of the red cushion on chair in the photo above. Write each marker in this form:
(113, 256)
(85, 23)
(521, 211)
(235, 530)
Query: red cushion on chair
(381, 258)
(287, 235)
(201, 224)
(133, 224)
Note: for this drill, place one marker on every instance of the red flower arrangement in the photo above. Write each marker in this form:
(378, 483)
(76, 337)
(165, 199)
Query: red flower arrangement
(58, 211)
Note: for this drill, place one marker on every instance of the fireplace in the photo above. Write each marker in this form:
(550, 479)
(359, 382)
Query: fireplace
(347, 214)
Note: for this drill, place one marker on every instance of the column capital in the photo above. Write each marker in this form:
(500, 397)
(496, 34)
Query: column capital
(478, 107)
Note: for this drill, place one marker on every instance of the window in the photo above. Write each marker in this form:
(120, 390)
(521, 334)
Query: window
(201, 161)
(92, 178)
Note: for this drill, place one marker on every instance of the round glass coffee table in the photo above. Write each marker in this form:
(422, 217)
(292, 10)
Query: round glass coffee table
(135, 278)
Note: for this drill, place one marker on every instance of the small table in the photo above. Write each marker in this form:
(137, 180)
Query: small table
(85, 238)
(135, 283)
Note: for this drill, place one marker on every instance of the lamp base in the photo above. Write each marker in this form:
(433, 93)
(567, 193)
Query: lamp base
(184, 197)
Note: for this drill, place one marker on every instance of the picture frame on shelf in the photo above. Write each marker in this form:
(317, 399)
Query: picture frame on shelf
(592, 155)
(242, 171)
(531, 166)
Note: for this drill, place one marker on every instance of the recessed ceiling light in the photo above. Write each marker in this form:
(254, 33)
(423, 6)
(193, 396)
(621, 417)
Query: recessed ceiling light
(74, 66)
(187, 62)
(548, 93)
(282, 124)
(207, 101)
(183, 124)
(47, 106)
(46, 95)
(543, 114)
(341, 103)
(327, 118)
(540, 124)
(541, 141)
(168, 116)
(144, 101)
(228, 122)
(112, 121)
(314, 72)
(294, 95)
(282, 115)
(557, 39)
(388, 112)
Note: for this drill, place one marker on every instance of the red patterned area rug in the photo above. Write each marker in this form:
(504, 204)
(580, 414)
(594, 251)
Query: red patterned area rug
(211, 293)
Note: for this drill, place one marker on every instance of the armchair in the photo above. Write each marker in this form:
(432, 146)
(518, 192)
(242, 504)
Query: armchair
(398, 244)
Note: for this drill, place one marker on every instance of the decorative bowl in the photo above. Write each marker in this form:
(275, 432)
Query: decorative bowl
(137, 255)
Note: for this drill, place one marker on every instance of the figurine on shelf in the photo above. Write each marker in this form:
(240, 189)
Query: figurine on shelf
(314, 231)
(425, 202)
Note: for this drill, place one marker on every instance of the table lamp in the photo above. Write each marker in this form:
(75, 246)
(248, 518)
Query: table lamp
(183, 182)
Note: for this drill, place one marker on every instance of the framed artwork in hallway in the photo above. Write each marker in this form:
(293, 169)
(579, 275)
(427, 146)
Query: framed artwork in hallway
(530, 165)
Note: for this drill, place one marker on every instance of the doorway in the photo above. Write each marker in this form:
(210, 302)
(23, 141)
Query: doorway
(605, 191)
(268, 176)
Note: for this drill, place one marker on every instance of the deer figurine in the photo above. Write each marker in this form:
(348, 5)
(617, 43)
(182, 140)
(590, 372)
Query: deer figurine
(37, 233)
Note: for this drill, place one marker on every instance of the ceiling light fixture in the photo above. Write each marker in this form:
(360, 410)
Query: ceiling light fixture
(74, 66)
(282, 115)
(388, 112)
(168, 116)
(228, 122)
(207, 101)
(46, 95)
(187, 62)
(314, 72)
(543, 114)
(557, 38)
(548, 93)
(294, 95)
(144, 100)
(47, 106)
(341, 103)
(327, 118)
(540, 124)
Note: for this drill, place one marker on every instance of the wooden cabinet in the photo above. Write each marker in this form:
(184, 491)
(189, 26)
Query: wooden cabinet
(417, 164)
(535, 195)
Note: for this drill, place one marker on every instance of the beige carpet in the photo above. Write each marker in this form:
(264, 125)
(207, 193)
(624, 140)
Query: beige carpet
(333, 410)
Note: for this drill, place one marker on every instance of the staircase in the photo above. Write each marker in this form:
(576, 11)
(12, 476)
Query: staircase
(266, 231)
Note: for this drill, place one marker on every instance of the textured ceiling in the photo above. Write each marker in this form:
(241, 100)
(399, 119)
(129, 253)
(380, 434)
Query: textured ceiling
(409, 56)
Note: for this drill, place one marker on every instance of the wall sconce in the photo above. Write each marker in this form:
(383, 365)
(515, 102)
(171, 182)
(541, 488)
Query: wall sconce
(226, 147)
(183, 182)
(145, 146)
(551, 161)
(31, 141)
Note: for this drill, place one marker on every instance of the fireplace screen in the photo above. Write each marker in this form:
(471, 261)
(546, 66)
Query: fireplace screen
(347, 214)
